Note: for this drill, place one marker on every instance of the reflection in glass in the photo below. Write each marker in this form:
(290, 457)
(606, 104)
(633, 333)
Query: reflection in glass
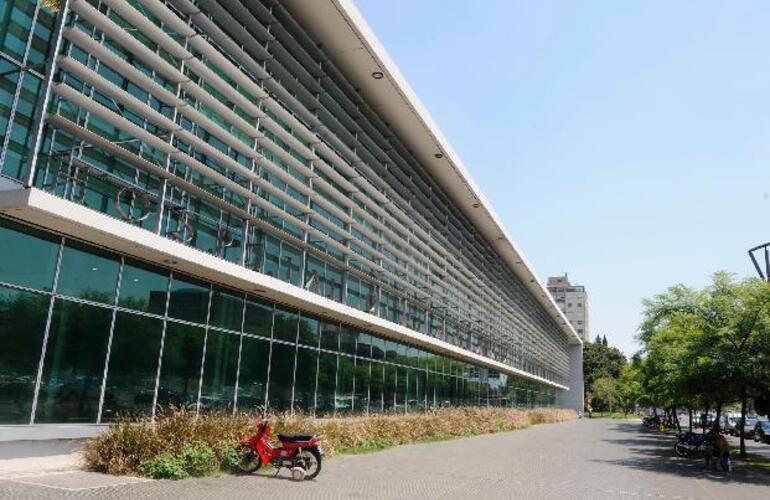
(376, 381)
(308, 331)
(143, 289)
(348, 338)
(330, 338)
(252, 379)
(327, 382)
(346, 371)
(20, 349)
(389, 388)
(304, 385)
(189, 299)
(133, 366)
(281, 376)
(259, 318)
(285, 324)
(74, 363)
(181, 366)
(226, 310)
(220, 370)
(361, 393)
(87, 273)
(28, 257)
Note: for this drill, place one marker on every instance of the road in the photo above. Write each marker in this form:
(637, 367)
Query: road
(585, 459)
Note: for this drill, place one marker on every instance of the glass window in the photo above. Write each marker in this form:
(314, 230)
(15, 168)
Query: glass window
(330, 336)
(389, 388)
(327, 382)
(181, 366)
(364, 346)
(88, 273)
(376, 381)
(20, 353)
(346, 371)
(285, 325)
(133, 366)
(189, 299)
(378, 347)
(220, 369)
(142, 289)
(361, 393)
(252, 379)
(74, 363)
(28, 257)
(348, 338)
(304, 385)
(282, 358)
(309, 333)
(259, 318)
(226, 310)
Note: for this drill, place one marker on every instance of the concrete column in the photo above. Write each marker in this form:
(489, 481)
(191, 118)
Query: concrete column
(574, 397)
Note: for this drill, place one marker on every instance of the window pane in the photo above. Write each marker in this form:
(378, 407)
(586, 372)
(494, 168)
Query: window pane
(345, 377)
(181, 366)
(28, 257)
(281, 376)
(88, 273)
(252, 379)
(330, 336)
(304, 386)
(348, 338)
(133, 366)
(20, 352)
(259, 318)
(142, 289)
(376, 381)
(189, 300)
(389, 389)
(285, 325)
(400, 402)
(220, 371)
(378, 347)
(361, 394)
(226, 310)
(327, 382)
(308, 331)
(74, 363)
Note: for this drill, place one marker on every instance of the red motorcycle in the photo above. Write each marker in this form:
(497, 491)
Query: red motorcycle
(299, 452)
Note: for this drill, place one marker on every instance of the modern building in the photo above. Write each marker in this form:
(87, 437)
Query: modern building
(573, 301)
(224, 204)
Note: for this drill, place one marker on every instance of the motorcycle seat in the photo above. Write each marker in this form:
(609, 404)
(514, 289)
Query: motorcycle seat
(293, 438)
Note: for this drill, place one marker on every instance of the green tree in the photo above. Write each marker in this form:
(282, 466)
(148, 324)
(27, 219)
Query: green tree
(605, 392)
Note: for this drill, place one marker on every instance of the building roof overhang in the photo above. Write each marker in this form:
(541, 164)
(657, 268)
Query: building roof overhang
(354, 48)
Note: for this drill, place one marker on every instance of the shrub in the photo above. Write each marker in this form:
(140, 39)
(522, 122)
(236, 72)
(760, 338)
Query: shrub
(180, 440)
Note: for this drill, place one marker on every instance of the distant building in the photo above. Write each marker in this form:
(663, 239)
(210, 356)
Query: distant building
(573, 300)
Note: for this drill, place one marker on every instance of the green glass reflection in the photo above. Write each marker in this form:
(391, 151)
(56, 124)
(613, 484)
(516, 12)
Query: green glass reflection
(330, 336)
(74, 363)
(309, 331)
(327, 382)
(304, 385)
(376, 384)
(348, 339)
(181, 366)
(133, 366)
(259, 318)
(143, 289)
(389, 388)
(361, 392)
(282, 359)
(226, 310)
(22, 325)
(220, 371)
(346, 370)
(285, 325)
(188, 300)
(88, 273)
(28, 257)
(252, 379)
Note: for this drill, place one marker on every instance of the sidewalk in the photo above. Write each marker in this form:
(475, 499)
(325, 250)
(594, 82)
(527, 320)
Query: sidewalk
(21, 458)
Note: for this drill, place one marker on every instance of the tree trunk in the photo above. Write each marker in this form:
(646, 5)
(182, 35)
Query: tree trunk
(744, 402)
(689, 421)
(718, 416)
(676, 419)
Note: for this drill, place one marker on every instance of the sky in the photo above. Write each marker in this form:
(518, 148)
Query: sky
(625, 143)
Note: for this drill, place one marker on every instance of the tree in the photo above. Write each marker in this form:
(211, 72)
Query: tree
(605, 390)
(601, 361)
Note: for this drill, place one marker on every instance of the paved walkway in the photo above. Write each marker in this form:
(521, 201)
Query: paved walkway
(586, 459)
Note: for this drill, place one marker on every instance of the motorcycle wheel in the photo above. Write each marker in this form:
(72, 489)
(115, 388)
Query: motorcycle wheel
(248, 461)
(312, 459)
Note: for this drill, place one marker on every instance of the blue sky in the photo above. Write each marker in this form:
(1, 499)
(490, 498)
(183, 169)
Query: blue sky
(626, 143)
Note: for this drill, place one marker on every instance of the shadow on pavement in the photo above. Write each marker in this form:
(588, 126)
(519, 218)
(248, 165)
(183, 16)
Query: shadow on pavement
(654, 452)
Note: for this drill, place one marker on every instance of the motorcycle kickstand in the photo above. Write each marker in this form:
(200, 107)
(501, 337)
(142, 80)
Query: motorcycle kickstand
(277, 470)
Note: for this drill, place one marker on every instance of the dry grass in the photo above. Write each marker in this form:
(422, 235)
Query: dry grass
(129, 442)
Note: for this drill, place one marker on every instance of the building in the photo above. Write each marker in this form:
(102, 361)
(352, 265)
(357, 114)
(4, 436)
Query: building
(227, 204)
(573, 301)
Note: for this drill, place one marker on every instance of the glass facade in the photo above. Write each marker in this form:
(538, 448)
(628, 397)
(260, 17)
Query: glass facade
(86, 353)
(225, 126)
